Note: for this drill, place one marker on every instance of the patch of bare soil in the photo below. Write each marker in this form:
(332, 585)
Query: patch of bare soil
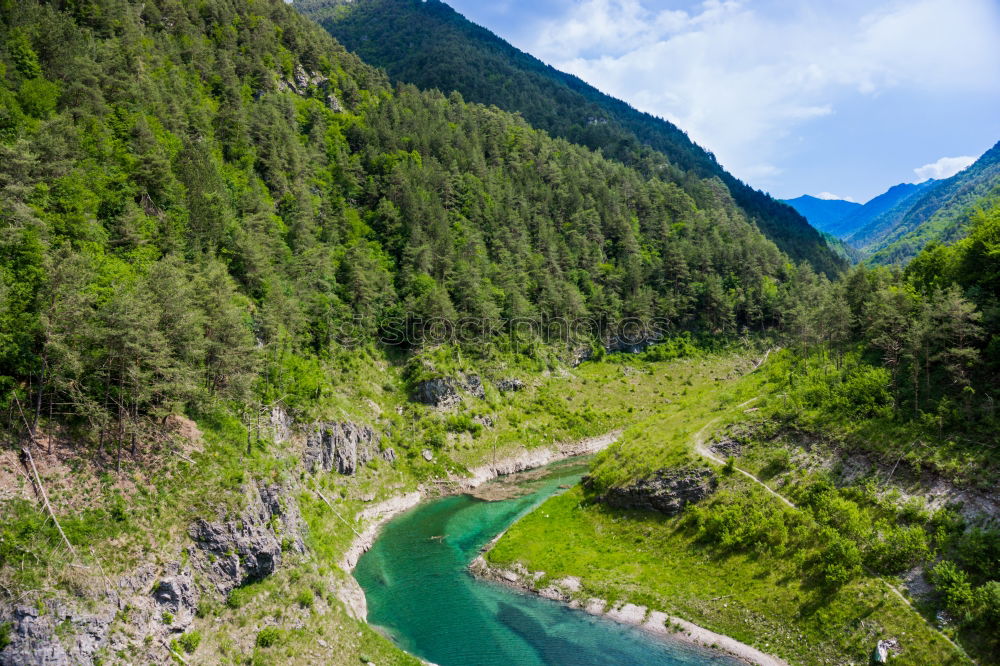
(77, 476)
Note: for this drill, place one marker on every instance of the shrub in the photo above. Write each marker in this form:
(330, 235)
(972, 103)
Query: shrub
(954, 587)
(898, 548)
(780, 462)
(978, 551)
(741, 523)
(236, 598)
(305, 599)
(268, 637)
(841, 559)
(190, 641)
(987, 600)
(5, 635)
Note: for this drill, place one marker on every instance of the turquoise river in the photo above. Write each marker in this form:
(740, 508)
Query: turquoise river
(421, 595)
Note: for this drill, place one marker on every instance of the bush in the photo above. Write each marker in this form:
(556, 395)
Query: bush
(190, 641)
(5, 635)
(305, 599)
(978, 552)
(269, 636)
(841, 559)
(864, 392)
(780, 462)
(237, 598)
(898, 549)
(987, 604)
(954, 587)
(741, 523)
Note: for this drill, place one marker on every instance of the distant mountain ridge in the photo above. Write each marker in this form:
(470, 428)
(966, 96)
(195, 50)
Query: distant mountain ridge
(430, 45)
(879, 216)
(943, 212)
(893, 227)
(823, 214)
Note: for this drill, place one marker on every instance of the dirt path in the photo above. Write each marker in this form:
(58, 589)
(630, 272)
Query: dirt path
(703, 450)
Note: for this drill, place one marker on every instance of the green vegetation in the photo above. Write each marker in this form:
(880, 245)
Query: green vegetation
(942, 214)
(214, 216)
(216, 231)
(896, 367)
(189, 641)
(429, 45)
(757, 584)
(789, 581)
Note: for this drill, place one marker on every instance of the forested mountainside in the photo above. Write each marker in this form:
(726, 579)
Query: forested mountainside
(823, 214)
(853, 475)
(214, 220)
(185, 185)
(877, 217)
(943, 212)
(432, 46)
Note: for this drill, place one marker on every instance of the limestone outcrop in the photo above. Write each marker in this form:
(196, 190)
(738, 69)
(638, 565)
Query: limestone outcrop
(667, 491)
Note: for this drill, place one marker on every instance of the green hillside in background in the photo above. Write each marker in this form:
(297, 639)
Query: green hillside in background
(432, 46)
(942, 213)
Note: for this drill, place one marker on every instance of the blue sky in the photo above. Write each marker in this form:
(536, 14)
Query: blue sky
(835, 97)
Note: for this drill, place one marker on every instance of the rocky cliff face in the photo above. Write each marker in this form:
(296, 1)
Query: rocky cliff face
(345, 447)
(140, 612)
(668, 491)
(250, 546)
(445, 391)
(33, 633)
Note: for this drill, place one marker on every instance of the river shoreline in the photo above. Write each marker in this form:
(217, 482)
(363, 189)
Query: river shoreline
(377, 515)
(656, 623)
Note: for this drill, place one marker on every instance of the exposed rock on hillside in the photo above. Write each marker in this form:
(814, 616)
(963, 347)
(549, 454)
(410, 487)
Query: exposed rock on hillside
(250, 547)
(440, 392)
(667, 491)
(176, 594)
(345, 447)
(474, 385)
(34, 633)
(301, 82)
(444, 391)
(152, 604)
(509, 385)
(633, 342)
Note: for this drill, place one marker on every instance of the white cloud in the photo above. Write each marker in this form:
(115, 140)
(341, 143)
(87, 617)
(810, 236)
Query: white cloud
(744, 78)
(829, 196)
(946, 167)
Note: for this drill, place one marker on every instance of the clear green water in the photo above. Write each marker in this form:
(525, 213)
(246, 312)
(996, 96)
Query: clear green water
(421, 594)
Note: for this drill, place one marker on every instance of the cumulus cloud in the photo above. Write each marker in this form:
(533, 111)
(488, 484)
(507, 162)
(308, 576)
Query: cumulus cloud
(946, 167)
(829, 196)
(744, 78)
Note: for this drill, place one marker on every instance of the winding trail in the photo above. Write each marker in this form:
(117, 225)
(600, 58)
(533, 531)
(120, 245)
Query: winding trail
(704, 451)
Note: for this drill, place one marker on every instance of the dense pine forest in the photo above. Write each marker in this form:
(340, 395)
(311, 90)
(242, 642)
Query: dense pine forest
(432, 46)
(255, 187)
(214, 216)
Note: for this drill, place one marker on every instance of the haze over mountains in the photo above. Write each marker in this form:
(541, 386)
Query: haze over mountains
(825, 214)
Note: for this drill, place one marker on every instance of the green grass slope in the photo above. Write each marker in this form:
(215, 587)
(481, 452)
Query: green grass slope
(741, 563)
